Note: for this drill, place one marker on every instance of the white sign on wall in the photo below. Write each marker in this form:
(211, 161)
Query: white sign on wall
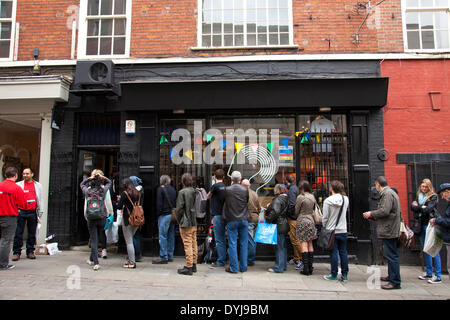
(130, 127)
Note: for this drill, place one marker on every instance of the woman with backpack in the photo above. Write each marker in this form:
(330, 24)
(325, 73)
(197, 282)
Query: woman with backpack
(94, 189)
(424, 208)
(129, 198)
(186, 218)
(276, 213)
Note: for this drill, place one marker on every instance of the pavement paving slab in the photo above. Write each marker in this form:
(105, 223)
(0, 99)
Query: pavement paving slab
(67, 276)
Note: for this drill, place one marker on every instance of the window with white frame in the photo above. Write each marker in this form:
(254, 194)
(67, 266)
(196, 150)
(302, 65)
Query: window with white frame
(236, 23)
(104, 28)
(7, 25)
(427, 24)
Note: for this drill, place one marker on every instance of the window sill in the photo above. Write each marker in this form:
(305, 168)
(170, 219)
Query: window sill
(427, 51)
(246, 48)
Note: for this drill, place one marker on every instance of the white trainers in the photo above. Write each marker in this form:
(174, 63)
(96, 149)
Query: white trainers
(435, 280)
(104, 255)
(425, 277)
(89, 262)
(96, 267)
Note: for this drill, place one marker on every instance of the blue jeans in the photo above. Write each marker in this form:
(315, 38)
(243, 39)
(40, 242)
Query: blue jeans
(429, 259)
(166, 231)
(219, 237)
(339, 254)
(280, 254)
(137, 243)
(238, 230)
(391, 254)
(251, 242)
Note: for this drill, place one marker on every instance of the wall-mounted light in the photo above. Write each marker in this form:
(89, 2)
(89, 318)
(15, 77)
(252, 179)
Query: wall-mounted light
(36, 67)
(325, 109)
(178, 111)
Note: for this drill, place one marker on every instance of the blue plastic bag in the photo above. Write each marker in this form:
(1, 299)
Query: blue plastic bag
(109, 222)
(266, 233)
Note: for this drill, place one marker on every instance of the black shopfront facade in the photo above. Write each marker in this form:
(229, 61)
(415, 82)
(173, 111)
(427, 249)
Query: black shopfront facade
(319, 120)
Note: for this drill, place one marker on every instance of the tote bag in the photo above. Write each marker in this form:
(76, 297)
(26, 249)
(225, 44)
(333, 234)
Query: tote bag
(266, 233)
(433, 241)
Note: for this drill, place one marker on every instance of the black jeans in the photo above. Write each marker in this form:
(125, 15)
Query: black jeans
(8, 226)
(95, 227)
(28, 217)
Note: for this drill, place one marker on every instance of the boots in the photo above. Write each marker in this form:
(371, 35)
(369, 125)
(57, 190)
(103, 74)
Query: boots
(311, 261)
(306, 265)
(186, 271)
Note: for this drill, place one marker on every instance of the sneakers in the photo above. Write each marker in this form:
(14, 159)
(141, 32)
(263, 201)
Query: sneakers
(15, 257)
(96, 267)
(330, 278)
(270, 270)
(89, 262)
(8, 267)
(104, 254)
(216, 265)
(299, 265)
(292, 261)
(344, 278)
(435, 280)
(425, 277)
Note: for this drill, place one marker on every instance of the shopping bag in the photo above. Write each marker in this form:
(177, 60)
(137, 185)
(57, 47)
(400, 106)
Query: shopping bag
(266, 233)
(433, 241)
(119, 217)
(109, 222)
(112, 234)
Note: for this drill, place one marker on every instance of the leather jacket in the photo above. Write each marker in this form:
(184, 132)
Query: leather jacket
(276, 213)
(236, 203)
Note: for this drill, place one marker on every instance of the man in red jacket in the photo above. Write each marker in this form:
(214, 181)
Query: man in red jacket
(11, 198)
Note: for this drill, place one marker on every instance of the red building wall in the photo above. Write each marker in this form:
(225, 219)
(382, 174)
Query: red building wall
(410, 123)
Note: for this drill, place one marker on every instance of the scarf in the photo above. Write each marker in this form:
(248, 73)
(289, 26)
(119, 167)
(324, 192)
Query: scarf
(422, 199)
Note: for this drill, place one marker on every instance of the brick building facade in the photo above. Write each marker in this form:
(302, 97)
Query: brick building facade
(353, 63)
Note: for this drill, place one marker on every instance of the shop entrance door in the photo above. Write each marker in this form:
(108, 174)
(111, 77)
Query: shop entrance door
(104, 159)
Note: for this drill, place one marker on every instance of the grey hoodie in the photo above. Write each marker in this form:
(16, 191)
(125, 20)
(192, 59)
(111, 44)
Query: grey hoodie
(331, 208)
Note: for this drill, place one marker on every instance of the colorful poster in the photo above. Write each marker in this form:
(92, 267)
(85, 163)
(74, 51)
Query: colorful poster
(286, 156)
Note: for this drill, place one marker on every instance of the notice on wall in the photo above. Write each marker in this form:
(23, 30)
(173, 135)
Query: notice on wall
(286, 156)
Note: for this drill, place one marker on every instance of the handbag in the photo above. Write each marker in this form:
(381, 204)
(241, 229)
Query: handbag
(173, 217)
(326, 236)
(317, 214)
(406, 235)
(266, 233)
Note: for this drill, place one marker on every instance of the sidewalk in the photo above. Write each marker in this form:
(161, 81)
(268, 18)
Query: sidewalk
(55, 277)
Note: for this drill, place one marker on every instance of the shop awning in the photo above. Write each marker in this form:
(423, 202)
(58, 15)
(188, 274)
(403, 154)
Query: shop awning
(355, 93)
(25, 99)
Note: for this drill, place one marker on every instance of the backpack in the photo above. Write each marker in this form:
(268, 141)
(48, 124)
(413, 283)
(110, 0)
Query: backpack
(95, 206)
(136, 217)
(200, 203)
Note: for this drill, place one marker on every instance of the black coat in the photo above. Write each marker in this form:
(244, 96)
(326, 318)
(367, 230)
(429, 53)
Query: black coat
(276, 213)
(423, 215)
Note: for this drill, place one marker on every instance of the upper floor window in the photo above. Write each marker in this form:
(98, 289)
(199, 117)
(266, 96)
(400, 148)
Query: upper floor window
(236, 23)
(7, 23)
(104, 28)
(427, 25)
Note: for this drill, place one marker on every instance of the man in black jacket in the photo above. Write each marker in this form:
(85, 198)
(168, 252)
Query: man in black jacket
(235, 214)
(444, 221)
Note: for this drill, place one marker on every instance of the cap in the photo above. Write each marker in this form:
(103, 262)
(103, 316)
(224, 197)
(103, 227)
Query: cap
(443, 187)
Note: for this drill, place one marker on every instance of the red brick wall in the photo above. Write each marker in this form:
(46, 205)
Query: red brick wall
(410, 124)
(43, 25)
(169, 28)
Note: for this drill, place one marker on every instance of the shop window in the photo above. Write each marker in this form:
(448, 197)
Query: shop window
(105, 27)
(236, 23)
(323, 152)
(7, 28)
(427, 25)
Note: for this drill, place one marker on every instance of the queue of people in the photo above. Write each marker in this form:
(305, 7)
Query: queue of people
(235, 213)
